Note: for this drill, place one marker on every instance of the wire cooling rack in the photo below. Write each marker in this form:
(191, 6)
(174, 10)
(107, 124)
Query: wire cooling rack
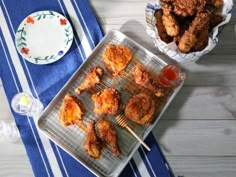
(72, 137)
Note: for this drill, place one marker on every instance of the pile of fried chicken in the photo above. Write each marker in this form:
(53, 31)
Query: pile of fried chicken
(188, 22)
(140, 107)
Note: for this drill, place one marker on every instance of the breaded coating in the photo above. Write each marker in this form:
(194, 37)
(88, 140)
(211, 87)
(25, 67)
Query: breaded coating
(144, 79)
(140, 108)
(92, 145)
(116, 58)
(107, 101)
(188, 7)
(71, 110)
(184, 26)
(169, 21)
(187, 41)
(216, 3)
(189, 38)
(215, 19)
(91, 79)
(107, 133)
(202, 40)
(161, 28)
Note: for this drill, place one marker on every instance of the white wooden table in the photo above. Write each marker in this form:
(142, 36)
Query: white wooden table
(197, 133)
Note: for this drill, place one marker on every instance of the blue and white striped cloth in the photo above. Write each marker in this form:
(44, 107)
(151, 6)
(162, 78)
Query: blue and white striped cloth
(44, 82)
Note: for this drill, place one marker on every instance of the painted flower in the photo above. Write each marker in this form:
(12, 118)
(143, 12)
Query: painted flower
(30, 20)
(60, 52)
(63, 21)
(24, 50)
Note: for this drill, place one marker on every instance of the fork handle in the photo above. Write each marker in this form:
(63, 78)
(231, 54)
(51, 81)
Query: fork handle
(139, 139)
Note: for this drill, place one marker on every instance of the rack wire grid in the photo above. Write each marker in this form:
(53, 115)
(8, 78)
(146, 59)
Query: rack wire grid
(71, 138)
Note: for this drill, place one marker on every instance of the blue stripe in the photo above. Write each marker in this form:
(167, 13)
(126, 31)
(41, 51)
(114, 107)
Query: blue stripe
(41, 146)
(135, 168)
(90, 41)
(58, 159)
(32, 122)
(73, 166)
(75, 33)
(35, 76)
(10, 62)
(93, 27)
(155, 156)
(21, 120)
(145, 162)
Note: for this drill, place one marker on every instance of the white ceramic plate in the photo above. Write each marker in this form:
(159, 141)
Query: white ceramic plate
(44, 37)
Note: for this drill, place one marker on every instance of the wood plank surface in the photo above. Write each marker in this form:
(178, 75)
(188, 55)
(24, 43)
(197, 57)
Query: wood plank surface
(197, 132)
(203, 166)
(197, 137)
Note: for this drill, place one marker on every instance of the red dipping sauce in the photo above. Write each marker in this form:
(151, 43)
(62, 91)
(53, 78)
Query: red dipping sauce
(169, 75)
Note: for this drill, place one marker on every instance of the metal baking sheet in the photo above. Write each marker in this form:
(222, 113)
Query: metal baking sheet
(71, 138)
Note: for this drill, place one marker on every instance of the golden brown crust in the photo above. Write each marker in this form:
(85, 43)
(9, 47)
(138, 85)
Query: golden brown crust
(107, 101)
(202, 40)
(194, 17)
(144, 79)
(91, 79)
(186, 8)
(170, 23)
(116, 58)
(161, 28)
(107, 133)
(140, 108)
(216, 3)
(187, 41)
(189, 38)
(71, 110)
(92, 145)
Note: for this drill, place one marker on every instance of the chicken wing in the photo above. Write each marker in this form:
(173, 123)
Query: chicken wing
(170, 23)
(116, 58)
(140, 108)
(107, 101)
(144, 79)
(91, 79)
(71, 110)
(92, 144)
(107, 132)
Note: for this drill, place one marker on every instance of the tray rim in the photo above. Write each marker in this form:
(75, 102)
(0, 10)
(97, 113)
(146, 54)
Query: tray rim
(67, 84)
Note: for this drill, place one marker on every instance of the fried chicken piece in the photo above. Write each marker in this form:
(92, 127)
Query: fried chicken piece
(107, 133)
(107, 101)
(170, 23)
(92, 145)
(161, 28)
(216, 3)
(202, 40)
(71, 110)
(184, 26)
(116, 58)
(186, 8)
(140, 108)
(189, 38)
(144, 79)
(187, 41)
(91, 79)
(215, 19)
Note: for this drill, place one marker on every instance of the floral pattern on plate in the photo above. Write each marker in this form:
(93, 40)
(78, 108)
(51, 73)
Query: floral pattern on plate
(44, 37)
